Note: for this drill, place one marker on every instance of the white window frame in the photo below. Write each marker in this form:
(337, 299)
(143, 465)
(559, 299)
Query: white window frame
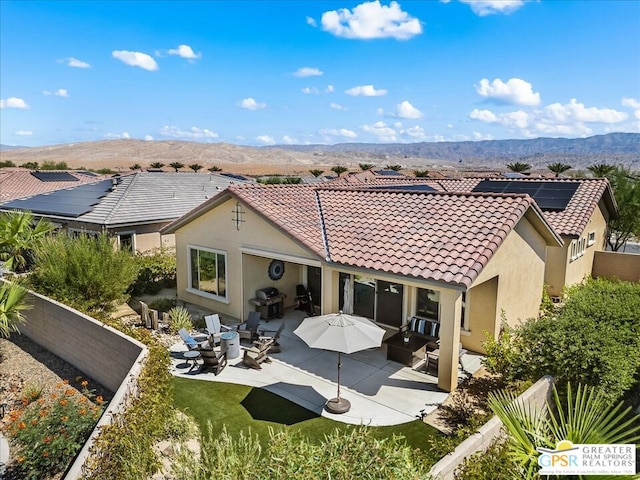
(80, 231)
(591, 239)
(195, 291)
(133, 239)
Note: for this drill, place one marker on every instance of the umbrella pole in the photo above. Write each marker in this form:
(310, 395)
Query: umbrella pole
(338, 377)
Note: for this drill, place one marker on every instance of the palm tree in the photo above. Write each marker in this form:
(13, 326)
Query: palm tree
(421, 173)
(365, 166)
(19, 236)
(316, 172)
(157, 165)
(12, 302)
(395, 168)
(585, 418)
(176, 165)
(559, 168)
(601, 170)
(339, 169)
(518, 167)
(214, 169)
(195, 167)
(135, 166)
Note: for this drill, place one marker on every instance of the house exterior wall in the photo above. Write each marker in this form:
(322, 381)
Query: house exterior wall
(518, 268)
(245, 271)
(147, 237)
(564, 271)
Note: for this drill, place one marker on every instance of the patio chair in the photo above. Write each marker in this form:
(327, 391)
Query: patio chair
(212, 360)
(432, 360)
(214, 327)
(248, 330)
(192, 343)
(257, 354)
(303, 300)
(273, 335)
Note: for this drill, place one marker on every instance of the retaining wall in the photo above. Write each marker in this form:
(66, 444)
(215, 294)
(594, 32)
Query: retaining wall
(101, 352)
(625, 266)
(536, 395)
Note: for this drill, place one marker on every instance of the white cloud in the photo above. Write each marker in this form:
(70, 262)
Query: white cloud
(13, 102)
(123, 135)
(337, 106)
(287, 140)
(480, 136)
(194, 133)
(266, 139)
(366, 91)
(339, 132)
(381, 130)
(148, 138)
(251, 104)
(309, 90)
(634, 104)
(135, 59)
(185, 51)
(311, 21)
(308, 72)
(514, 92)
(329, 89)
(371, 20)
(74, 62)
(416, 133)
(574, 111)
(61, 92)
(518, 119)
(406, 110)
(491, 7)
(24, 133)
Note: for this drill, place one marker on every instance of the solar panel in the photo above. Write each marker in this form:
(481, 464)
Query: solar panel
(234, 176)
(70, 202)
(54, 176)
(548, 195)
(389, 173)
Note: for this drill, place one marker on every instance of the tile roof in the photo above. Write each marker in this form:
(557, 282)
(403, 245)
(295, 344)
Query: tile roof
(19, 182)
(435, 236)
(149, 197)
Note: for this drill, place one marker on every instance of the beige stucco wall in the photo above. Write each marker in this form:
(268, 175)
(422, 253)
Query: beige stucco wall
(624, 266)
(245, 271)
(561, 271)
(147, 237)
(519, 266)
(482, 314)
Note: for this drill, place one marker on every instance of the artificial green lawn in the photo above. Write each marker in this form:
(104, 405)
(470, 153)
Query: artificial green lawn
(241, 408)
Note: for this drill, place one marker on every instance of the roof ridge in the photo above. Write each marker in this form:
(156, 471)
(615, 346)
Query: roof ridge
(323, 229)
(124, 194)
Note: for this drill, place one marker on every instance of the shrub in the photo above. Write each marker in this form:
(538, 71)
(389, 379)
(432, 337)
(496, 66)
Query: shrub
(162, 304)
(353, 455)
(84, 272)
(179, 317)
(50, 432)
(156, 271)
(491, 464)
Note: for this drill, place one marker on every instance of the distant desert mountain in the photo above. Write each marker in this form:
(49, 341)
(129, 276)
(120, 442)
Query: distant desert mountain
(614, 148)
(9, 147)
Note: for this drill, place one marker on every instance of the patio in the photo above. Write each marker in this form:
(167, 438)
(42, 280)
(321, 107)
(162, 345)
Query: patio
(381, 392)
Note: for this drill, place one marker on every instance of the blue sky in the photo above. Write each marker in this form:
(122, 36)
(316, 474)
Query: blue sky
(304, 72)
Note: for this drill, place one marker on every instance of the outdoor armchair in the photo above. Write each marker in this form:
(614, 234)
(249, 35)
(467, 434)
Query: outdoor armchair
(212, 360)
(214, 327)
(192, 343)
(273, 335)
(248, 330)
(257, 354)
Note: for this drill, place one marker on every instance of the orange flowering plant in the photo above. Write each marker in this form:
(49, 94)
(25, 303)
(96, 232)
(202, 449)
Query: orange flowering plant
(50, 431)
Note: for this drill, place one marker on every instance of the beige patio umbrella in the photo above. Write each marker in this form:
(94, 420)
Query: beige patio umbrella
(342, 333)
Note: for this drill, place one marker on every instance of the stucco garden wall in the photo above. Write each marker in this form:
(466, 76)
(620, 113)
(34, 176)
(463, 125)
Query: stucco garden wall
(624, 266)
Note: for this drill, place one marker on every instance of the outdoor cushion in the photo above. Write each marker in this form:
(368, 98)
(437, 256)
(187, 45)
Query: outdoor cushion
(424, 326)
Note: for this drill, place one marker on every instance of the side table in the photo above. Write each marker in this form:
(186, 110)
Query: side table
(192, 356)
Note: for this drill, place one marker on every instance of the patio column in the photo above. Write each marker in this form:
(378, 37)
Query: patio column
(450, 313)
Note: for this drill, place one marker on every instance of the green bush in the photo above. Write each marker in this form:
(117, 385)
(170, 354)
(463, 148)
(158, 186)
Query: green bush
(492, 464)
(353, 455)
(50, 432)
(594, 339)
(179, 317)
(84, 272)
(155, 272)
(162, 304)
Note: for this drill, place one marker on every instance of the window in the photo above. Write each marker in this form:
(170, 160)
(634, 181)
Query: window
(208, 272)
(428, 304)
(591, 239)
(577, 248)
(463, 323)
(76, 232)
(126, 241)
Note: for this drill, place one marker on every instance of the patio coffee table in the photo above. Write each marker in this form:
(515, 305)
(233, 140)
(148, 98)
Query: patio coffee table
(192, 355)
(408, 353)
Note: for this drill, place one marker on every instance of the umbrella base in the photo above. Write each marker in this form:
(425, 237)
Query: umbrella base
(337, 405)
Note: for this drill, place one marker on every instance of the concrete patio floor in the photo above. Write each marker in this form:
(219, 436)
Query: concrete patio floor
(381, 392)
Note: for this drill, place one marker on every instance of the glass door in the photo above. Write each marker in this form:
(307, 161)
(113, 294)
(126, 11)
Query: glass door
(389, 303)
(364, 296)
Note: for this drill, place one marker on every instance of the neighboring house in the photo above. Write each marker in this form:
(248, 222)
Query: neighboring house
(131, 208)
(18, 182)
(458, 258)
